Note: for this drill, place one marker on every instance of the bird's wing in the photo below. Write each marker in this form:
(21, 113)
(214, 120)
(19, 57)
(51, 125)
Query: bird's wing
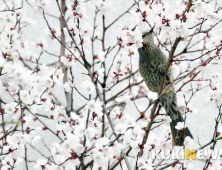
(169, 76)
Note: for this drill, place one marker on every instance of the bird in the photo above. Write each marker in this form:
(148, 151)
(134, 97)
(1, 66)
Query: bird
(152, 63)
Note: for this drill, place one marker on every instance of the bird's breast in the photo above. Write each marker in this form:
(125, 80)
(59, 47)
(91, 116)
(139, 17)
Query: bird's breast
(148, 66)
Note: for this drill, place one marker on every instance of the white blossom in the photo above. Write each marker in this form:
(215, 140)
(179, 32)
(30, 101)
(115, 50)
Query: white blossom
(88, 86)
(188, 141)
(67, 87)
(180, 126)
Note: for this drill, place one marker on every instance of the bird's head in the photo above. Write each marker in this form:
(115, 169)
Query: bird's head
(148, 37)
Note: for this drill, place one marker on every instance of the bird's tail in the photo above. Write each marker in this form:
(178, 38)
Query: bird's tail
(169, 102)
(178, 136)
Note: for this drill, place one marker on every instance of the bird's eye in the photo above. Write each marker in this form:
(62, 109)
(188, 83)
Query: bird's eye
(144, 35)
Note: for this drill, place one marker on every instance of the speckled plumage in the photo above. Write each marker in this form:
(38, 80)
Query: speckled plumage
(150, 53)
(152, 62)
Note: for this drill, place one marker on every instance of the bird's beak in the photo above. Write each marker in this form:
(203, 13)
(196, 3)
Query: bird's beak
(151, 29)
